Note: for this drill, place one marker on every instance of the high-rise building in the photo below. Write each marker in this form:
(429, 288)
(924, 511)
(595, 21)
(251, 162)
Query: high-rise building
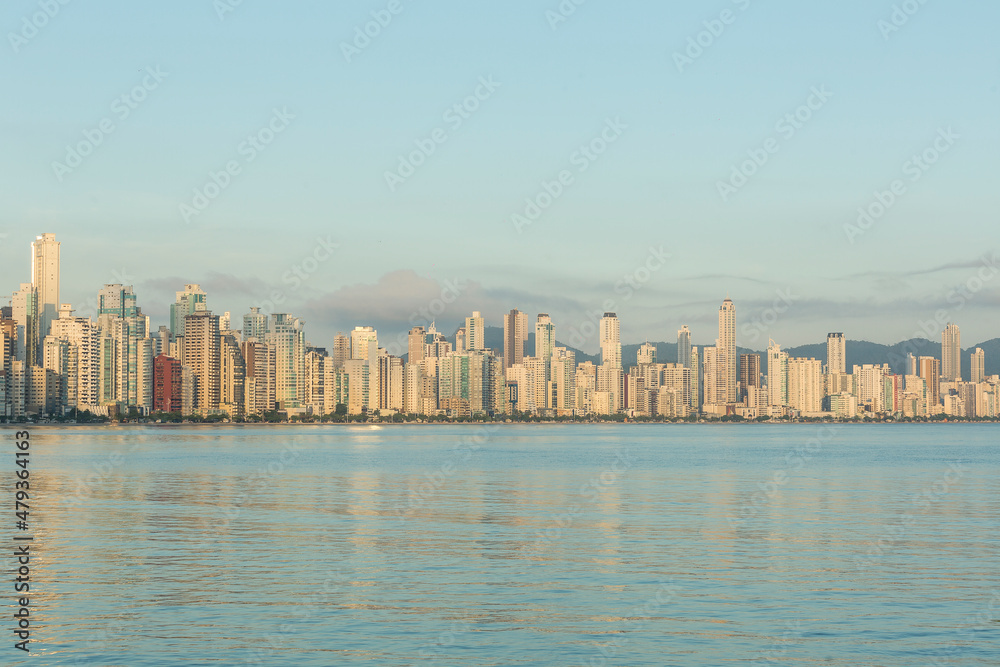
(232, 376)
(24, 311)
(127, 370)
(189, 301)
(166, 384)
(254, 325)
(805, 384)
(951, 354)
(684, 347)
(461, 344)
(78, 360)
(341, 350)
(611, 342)
(288, 339)
(259, 372)
(45, 279)
(202, 355)
(475, 332)
(978, 366)
(777, 375)
(727, 353)
(646, 354)
(929, 370)
(415, 342)
(749, 374)
(712, 376)
(545, 344)
(836, 353)
(515, 334)
(361, 339)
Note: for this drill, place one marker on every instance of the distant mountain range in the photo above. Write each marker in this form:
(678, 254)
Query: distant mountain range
(859, 352)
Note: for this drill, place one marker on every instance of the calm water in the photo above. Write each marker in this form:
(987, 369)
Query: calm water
(520, 545)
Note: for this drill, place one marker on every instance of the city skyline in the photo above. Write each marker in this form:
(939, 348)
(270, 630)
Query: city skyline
(645, 138)
(208, 365)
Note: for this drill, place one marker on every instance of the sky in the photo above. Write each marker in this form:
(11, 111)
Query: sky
(648, 158)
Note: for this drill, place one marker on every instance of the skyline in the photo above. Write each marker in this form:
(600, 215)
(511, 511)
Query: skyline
(835, 129)
(753, 335)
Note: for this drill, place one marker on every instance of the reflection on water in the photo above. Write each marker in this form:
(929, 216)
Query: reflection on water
(569, 545)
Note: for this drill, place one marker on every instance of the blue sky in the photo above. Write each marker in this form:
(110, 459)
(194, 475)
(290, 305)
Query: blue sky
(780, 237)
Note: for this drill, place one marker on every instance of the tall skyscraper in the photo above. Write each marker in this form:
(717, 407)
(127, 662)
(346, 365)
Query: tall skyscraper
(611, 342)
(951, 351)
(836, 353)
(684, 347)
(545, 345)
(202, 356)
(24, 311)
(341, 350)
(727, 352)
(361, 340)
(749, 374)
(254, 325)
(929, 369)
(189, 301)
(978, 365)
(288, 339)
(415, 342)
(515, 334)
(777, 375)
(475, 332)
(45, 278)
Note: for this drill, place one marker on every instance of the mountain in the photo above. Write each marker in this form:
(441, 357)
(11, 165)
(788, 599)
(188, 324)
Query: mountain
(859, 352)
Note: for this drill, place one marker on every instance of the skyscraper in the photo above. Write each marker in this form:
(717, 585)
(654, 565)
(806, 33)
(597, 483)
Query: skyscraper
(951, 350)
(254, 325)
(201, 353)
(836, 353)
(727, 353)
(978, 365)
(777, 375)
(189, 301)
(684, 347)
(545, 344)
(515, 334)
(288, 339)
(361, 339)
(929, 369)
(611, 343)
(415, 342)
(45, 278)
(749, 374)
(475, 332)
(24, 311)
